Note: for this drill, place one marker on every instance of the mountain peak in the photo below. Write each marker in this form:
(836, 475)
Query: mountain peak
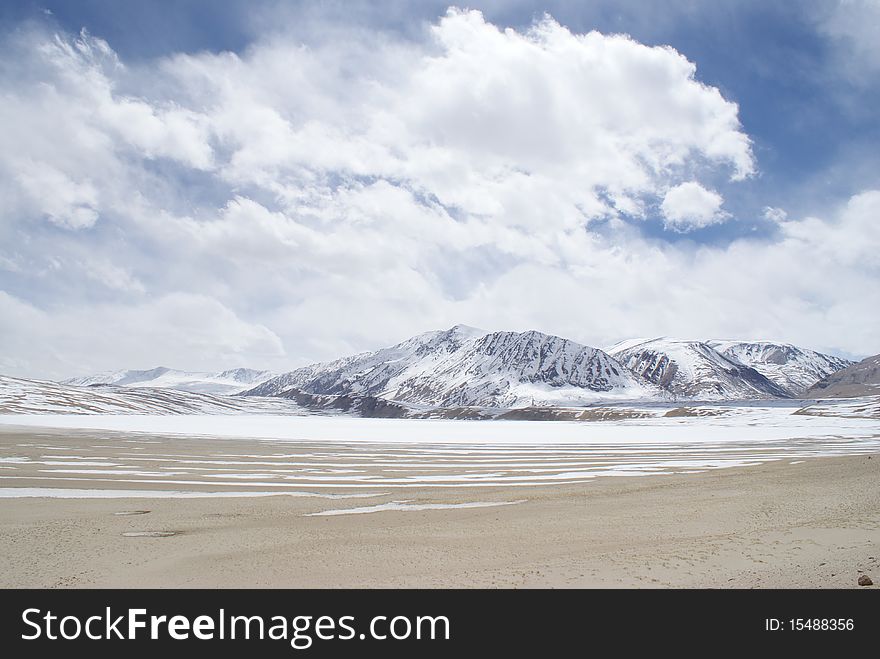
(466, 330)
(792, 368)
(464, 366)
(693, 369)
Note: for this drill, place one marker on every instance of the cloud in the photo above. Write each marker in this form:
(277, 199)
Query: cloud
(302, 200)
(852, 26)
(812, 285)
(112, 276)
(189, 331)
(52, 194)
(773, 214)
(485, 120)
(690, 206)
(87, 69)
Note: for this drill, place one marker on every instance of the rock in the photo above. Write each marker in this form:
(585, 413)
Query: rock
(865, 580)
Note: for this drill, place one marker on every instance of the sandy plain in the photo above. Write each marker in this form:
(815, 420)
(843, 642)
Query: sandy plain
(806, 523)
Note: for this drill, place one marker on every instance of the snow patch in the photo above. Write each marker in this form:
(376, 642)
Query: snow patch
(406, 506)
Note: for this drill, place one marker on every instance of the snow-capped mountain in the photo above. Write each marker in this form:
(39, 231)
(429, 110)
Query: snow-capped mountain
(693, 369)
(463, 366)
(792, 368)
(21, 396)
(225, 382)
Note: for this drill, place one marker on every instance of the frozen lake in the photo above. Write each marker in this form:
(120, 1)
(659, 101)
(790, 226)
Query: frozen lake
(319, 454)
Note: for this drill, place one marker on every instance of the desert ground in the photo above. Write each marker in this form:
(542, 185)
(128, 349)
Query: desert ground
(811, 522)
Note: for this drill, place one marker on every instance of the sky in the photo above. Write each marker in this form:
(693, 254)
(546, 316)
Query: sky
(207, 185)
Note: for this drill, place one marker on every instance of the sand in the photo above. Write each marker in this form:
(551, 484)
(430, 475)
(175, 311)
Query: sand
(812, 524)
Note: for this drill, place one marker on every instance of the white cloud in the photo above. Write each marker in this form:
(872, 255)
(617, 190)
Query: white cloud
(529, 128)
(852, 25)
(299, 202)
(188, 331)
(774, 214)
(87, 69)
(112, 276)
(689, 206)
(51, 193)
(814, 285)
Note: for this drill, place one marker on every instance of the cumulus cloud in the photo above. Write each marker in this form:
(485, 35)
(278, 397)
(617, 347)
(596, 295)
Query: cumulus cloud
(527, 128)
(690, 206)
(299, 201)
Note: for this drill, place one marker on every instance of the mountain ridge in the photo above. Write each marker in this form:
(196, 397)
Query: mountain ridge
(793, 368)
(694, 369)
(468, 367)
(858, 379)
(230, 381)
(463, 366)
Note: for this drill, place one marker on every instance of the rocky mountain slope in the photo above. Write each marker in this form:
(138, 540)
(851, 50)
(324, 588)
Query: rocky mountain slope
(794, 369)
(693, 370)
(860, 379)
(463, 366)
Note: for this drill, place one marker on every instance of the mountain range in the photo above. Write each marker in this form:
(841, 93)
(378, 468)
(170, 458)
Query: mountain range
(726, 370)
(464, 372)
(792, 368)
(464, 367)
(23, 396)
(227, 382)
(694, 370)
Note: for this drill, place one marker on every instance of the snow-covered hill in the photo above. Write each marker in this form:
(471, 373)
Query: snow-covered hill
(225, 382)
(693, 369)
(463, 366)
(792, 368)
(20, 396)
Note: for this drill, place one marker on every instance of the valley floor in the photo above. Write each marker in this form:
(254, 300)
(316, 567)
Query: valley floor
(810, 522)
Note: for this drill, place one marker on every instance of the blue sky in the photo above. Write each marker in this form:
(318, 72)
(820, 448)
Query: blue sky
(802, 140)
